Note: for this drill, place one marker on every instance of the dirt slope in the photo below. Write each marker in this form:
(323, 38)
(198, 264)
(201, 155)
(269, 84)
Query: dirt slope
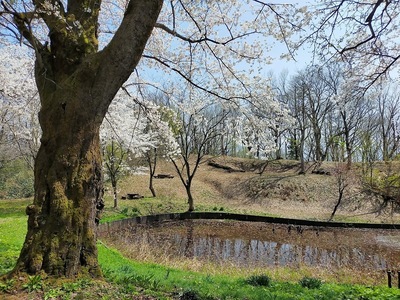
(279, 190)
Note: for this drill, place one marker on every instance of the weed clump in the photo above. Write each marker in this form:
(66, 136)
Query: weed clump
(310, 283)
(259, 280)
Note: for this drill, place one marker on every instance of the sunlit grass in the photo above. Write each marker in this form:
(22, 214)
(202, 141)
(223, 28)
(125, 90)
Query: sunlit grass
(12, 234)
(175, 281)
(13, 222)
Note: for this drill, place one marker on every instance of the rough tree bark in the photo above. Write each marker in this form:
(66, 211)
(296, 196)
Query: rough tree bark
(76, 84)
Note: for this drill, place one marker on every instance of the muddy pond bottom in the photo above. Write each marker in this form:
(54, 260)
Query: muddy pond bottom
(262, 245)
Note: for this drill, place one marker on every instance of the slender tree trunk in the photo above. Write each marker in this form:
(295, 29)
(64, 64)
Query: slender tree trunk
(115, 193)
(339, 201)
(301, 147)
(349, 158)
(190, 198)
(152, 168)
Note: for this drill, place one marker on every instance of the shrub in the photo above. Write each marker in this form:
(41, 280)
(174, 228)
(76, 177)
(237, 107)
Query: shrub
(259, 280)
(310, 282)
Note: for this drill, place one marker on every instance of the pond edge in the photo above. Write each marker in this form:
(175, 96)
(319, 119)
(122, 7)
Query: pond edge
(113, 226)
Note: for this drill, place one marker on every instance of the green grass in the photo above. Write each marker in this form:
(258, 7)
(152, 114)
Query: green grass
(163, 282)
(127, 278)
(13, 208)
(12, 234)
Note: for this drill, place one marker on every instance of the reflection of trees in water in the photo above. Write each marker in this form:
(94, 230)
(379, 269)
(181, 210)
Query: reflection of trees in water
(187, 242)
(189, 249)
(265, 253)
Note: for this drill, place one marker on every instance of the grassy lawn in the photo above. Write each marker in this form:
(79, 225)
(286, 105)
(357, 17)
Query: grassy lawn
(127, 279)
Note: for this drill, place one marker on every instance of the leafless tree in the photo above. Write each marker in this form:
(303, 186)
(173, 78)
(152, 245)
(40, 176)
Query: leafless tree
(361, 34)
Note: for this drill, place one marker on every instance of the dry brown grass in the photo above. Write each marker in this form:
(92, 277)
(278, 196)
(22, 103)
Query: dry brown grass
(279, 191)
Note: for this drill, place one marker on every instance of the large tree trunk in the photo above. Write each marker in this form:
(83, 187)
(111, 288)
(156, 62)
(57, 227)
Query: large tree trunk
(61, 236)
(76, 85)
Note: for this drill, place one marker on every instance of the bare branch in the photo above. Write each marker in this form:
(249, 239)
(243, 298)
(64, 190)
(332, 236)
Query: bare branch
(200, 40)
(187, 78)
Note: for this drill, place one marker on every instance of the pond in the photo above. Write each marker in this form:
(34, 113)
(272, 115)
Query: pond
(264, 245)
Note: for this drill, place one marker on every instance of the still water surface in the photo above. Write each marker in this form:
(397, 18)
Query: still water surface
(260, 244)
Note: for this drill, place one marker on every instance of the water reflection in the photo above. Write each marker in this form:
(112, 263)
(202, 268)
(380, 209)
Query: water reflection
(270, 253)
(270, 245)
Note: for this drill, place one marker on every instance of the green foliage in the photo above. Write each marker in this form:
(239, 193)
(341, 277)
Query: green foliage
(7, 285)
(310, 283)
(218, 209)
(170, 116)
(133, 213)
(259, 280)
(74, 286)
(16, 180)
(34, 283)
(52, 294)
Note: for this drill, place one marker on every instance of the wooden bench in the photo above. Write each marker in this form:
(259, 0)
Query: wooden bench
(162, 176)
(132, 196)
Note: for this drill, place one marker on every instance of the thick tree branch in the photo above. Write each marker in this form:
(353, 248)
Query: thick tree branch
(125, 50)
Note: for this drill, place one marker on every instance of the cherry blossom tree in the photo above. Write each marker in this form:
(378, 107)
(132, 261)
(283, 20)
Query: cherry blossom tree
(19, 103)
(84, 52)
(76, 83)
(133, 128)
(263, 121)
(161, 124)
(198, 127)
(121, 135)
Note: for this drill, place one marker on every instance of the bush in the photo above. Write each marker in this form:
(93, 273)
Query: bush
(310, 282)
(259, 280)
